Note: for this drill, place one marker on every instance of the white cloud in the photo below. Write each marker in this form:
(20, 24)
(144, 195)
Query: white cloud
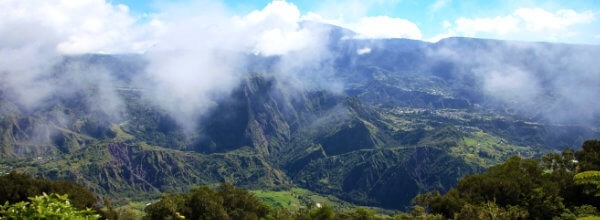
(353, 15)
(35, 35)
(438, 37)
(364, 50)
(386, 27)
(79, 26)
(501, 25)
(510, 83)
(374, 27)
(200, 56)
(276, 29)
(536, 19)
(276, 13)
(524, 24)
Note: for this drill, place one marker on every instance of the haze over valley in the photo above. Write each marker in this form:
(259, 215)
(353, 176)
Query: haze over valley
(132, 105)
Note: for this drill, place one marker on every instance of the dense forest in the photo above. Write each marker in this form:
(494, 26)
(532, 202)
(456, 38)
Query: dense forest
(562, 185)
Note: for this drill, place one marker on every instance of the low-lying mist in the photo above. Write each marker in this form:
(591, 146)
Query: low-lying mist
(196, 55)
(552, 82)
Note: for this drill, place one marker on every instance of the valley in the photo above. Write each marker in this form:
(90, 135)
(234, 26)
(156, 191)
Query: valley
(408, 119)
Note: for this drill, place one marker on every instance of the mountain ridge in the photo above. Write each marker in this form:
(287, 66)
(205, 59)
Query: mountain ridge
(413, 114)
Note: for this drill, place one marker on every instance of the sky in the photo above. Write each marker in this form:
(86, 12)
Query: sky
(430, 20)
(133, 26)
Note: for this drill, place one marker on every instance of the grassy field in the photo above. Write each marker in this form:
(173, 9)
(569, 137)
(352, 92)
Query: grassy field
(297, 198)
(279, 199)
(487, 150)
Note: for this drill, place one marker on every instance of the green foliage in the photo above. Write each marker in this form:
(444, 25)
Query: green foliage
(17, 187)
(46, 206)
(241, 204)
(589, 178)
(169, 207)
(505, 183)
(203, 203)
(518, 182)
(374, 175)
(230, 202)
(362, 213)
(279, 199)
(296, 198)
(491, 210)
(486, 150)
(109, 212)
(543, 188)
(324, 212)
(417, 212)
(589, 157)
(227, 202)
(128, 213)
(585, 210)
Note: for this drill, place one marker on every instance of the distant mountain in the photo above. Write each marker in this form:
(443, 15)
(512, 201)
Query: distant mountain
(385, 120)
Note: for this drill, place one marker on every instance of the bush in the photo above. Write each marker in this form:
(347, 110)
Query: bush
(16, 187)
(46, 206)
(227, 202)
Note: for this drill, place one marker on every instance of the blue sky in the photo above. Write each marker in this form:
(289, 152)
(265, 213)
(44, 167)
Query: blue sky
(574, 21)
(135, 26)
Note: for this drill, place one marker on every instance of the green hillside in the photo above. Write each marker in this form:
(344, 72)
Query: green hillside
(400, 121)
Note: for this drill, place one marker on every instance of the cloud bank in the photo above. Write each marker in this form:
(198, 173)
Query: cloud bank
(197, 52)
(201, 56)
(550, 82)
(36, 35)
(534, 24)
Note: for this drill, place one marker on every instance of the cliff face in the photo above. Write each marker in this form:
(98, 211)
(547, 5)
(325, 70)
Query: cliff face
(119, 169)
(62, 127)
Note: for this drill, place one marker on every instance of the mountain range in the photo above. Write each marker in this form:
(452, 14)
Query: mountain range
(371, 121)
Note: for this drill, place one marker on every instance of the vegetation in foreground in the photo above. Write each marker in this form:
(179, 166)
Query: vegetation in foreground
(564, 186)
(53, 206)
(556, 186)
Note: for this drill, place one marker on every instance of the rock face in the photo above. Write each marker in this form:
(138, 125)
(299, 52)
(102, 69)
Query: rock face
(411, 117)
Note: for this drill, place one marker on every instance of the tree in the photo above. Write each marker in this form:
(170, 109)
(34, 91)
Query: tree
(448, 204)
(204, 203)
(46, 206)
(490, 210)
(424, 199)
(109, 212)
(169, 207)
(544, 188)
(17, 187)
(281, 214)
(241, 204)
(589, 178)
(227, 202)
(519, 183)
(324, 213)
(362, 213)
(589, 157)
